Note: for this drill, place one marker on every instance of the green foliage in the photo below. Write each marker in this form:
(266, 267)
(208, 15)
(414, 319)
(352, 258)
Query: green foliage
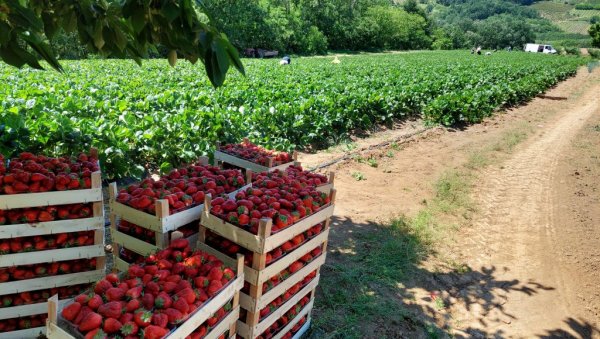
(500, 31)
(595, 34)
(122, 29)
(393, 28)
(588, 6)
(142, 117)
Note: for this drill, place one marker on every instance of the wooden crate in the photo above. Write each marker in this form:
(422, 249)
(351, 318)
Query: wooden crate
(260, 272)
(230, 292)
(22, 334)
(325, 188)
(162, 224)
(94, 223)
(250, 332)
(222, 157)
(264, 241)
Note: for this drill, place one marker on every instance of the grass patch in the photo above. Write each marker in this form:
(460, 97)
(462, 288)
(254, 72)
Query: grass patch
(477, 159)
(452, 192)
(597, 128)
(359, 176)
(365, 285)
(510, 139)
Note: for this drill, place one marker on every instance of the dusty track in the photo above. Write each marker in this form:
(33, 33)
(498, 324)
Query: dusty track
(523, 231)
(533, 241)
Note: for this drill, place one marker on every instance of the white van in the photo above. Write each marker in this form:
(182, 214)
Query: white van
(536, 48)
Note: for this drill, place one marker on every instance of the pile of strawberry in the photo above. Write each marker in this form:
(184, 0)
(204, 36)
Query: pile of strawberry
(130, 256)
(46, 269)
(275, 304)
(45, 214)
(37, 173)
(23, 323)
(231, 249)
(149, 236)
(285, 206)
(46, 242)
(182, 188)
(285, 319)
(292, 176)
(288, 271)
(153, 298)
(41, 296)
(256, 154)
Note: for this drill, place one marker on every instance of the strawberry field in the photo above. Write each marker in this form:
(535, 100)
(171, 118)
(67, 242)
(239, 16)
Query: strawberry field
(155, 116)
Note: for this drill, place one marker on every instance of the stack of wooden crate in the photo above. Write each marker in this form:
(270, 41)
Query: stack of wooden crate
(162, 223)
(272, 306)
(94, 251)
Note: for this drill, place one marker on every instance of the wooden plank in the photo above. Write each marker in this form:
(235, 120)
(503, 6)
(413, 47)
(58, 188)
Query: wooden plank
(208, 309)
(289, 258)
(174, 221)
(50, 282)
(326, 188)
(239, 162)
(305, 311)
(120, 265)
(53, 331)
(27, 310)
(25, 200)
(302, 225)
(278, 313)
(223, 325)
(51, 227)
(231, 232)
(244, 329)
(132, 243)
(135, 216)
(71, 253)
(302, 329)
(22, 334)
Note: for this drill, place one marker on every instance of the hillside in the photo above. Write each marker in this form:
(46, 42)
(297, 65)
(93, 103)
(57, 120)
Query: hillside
(573, 23)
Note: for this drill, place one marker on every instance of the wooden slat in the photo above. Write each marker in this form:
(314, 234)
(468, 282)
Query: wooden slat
(207, 310)
(23, 334)
(154, 223)
(326, 188)
(223, 325)
(302, 329)
(278, 313)
(288, 259)
(306, 310)
(55, 332)
(25, 200)
(288, 233)
(231, 232)
(27, 310)
(131, 243)
(120, 264)
(244, 330)
(50, 282)
(71, 253)
(239, 162)
(51, 227)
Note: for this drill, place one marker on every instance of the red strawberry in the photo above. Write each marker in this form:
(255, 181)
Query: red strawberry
(175, 317)
(71, 311)
(214, 287)
(114, 294)
(134, 293)
(129, 328)
(187, 294)
(96, 334)
(163, 300)
(142, 318)
(155, 332)
(95, 302)
(90, 322)
(111, 309)
(112, 325)
(148, 300)
(132, 305)
(181, 305)
(160, 320)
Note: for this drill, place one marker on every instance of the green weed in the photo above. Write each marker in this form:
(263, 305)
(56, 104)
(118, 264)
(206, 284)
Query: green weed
(358, 176)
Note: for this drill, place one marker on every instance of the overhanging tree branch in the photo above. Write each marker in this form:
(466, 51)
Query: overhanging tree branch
(111, 28)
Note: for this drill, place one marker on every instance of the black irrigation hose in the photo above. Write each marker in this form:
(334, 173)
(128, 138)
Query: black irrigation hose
(399, 140)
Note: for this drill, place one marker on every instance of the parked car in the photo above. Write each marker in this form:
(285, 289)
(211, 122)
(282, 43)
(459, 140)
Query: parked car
(538, 48)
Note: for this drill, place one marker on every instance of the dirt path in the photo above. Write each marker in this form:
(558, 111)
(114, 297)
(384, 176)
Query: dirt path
(525, 232)
(532, 241)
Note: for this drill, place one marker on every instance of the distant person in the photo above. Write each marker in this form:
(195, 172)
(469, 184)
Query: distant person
(488, 53)
(478, 50)
(286, 60)
(336, 60)
(473, 50)
(509, 48)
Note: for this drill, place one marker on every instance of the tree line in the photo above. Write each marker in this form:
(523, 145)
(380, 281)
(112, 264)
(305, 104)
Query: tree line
(311, 27)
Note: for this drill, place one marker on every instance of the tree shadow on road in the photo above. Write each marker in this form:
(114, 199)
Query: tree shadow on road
(375, 285)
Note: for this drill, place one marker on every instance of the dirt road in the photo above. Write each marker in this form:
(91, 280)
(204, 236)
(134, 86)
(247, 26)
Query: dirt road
(532, 238)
